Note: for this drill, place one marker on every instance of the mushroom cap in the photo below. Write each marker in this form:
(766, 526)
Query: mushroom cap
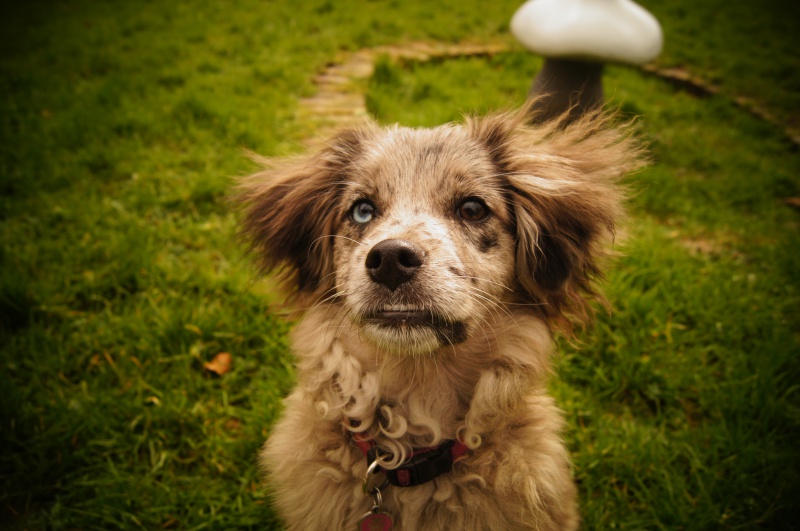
(600, 30)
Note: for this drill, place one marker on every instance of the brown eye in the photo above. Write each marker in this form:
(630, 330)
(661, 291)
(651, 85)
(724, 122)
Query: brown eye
(473, 210)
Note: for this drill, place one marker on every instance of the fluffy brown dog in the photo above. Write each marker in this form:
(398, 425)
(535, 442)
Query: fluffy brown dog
(432, 265)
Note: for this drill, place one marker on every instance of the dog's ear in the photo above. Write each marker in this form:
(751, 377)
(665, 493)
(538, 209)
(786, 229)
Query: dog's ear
(562, 181)
(289, 214)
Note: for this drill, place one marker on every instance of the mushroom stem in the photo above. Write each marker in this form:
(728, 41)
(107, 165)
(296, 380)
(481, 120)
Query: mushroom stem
(566, 85)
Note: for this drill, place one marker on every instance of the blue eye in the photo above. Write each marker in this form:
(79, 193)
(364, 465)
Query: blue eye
(362, 212)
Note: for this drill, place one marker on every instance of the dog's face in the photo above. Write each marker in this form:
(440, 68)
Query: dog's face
(421, 236)
(424, 247)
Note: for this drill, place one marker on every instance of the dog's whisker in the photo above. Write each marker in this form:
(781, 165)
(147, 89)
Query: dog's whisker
(493, 302)
(487, 281)
(362, 244)
(323, 298)
(486, 322)
(333, 297)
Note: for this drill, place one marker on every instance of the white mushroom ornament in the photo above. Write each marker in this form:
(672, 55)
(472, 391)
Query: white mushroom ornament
(576, 37)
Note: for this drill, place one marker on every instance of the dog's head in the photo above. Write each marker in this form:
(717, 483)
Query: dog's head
(424, 235)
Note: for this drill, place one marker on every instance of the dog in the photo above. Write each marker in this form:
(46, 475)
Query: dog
(432, 267)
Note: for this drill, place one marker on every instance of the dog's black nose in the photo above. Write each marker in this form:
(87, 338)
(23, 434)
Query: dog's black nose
(393, 262)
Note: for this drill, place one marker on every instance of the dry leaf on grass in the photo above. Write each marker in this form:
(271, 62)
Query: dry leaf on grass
(220, 364)
(793, 202)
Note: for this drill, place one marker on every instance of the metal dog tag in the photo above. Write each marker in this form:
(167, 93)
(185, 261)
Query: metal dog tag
(375, 520)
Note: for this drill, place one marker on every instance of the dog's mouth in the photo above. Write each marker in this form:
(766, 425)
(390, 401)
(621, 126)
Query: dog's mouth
(404, 322)
(403, 315)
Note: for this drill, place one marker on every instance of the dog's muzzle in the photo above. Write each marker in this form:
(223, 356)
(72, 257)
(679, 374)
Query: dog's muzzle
(394, 262)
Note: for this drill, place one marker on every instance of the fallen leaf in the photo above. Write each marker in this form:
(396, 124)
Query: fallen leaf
(220, 364)
(792, 201)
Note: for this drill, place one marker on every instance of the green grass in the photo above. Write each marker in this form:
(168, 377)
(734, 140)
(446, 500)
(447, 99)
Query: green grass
(746, 49)
(121, 125)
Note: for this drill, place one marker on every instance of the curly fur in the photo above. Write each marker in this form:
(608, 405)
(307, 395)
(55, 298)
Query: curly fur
(494, 288)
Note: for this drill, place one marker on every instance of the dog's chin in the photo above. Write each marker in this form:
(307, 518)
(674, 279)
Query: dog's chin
(405, 330)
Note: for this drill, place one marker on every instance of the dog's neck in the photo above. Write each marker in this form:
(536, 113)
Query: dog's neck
(409, 401)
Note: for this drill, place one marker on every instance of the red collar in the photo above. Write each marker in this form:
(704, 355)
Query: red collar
(424, 464)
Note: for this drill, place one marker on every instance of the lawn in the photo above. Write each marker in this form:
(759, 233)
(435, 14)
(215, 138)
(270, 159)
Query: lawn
(122, 126)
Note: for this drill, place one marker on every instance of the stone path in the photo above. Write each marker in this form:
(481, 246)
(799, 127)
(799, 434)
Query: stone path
(700, 87)
(340, 100)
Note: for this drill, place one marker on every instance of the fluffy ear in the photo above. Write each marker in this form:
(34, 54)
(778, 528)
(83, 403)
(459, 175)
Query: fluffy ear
(562, 191)
(290, 214)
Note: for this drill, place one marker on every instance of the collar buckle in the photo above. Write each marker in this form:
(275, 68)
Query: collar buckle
(424, 465)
